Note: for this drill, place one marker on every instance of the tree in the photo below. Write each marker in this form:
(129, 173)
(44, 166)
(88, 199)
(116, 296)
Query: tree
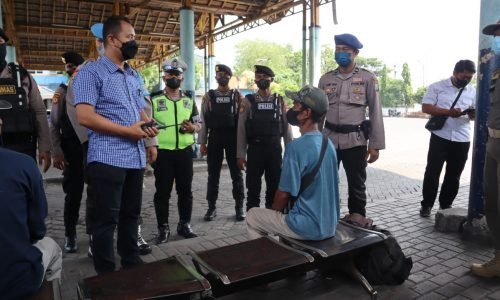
(393, 93)
(151, 75)
(418, 95)
(407, 89)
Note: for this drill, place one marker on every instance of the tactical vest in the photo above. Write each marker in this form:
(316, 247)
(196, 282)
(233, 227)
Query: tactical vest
(18, 130)
(223, 112)
(265, 122)
(67, 130)
(172, 114)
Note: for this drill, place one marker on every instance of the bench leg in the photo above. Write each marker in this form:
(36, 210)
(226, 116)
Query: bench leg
(351, 269)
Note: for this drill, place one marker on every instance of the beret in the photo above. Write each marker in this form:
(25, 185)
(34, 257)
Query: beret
(72, 57)
(348, 40)
(264, 70)
(490, 29)
(223, 68)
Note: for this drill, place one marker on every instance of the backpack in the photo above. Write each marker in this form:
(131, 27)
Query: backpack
(385, 262)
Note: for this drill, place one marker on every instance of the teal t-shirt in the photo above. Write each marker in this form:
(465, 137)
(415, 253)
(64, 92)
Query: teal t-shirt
(316, 213)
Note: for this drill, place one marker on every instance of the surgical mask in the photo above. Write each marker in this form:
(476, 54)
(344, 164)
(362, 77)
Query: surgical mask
(3, 52)
(263, 84)
(496, 45)
(223, 81)
(100, 50)
(461, 83)
(129, 49)
(291, 116)
(173, 83)
(343, 58)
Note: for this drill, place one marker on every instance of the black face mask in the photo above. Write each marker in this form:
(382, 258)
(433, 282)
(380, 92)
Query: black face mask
(461, 83)
(263, 84)
(173, 83)
(223, 81)
(129, 49)
(3, 52)
(291, 116)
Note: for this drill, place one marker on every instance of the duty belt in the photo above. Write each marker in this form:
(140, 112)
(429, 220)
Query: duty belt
(494, 133)
(343, 128)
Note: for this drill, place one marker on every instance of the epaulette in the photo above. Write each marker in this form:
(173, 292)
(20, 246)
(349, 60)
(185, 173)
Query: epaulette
(157, 93)
(188, 94)
(63, 86)
(366, 70)
(24, 73)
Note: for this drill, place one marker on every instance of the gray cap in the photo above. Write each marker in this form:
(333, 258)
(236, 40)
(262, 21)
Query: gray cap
(313, 97)
(174, 64)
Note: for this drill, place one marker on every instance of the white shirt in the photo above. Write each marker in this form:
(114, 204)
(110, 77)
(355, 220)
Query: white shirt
(442, 94)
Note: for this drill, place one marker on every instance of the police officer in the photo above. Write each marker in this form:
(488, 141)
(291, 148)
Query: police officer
(219, 115)
(67, 153)
(26, 123)
(351, 90)
(261, 125)
(179, 114)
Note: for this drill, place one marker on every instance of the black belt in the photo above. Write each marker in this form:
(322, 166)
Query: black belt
(343, 128)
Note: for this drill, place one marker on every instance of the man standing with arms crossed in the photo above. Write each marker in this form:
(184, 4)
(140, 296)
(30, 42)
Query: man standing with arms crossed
(351, 90)
(110, 102)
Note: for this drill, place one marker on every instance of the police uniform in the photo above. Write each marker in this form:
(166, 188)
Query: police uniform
(219, 122)
(26, 123)
(65, 142)
(261, 125)
(175, 155)
(349, 96)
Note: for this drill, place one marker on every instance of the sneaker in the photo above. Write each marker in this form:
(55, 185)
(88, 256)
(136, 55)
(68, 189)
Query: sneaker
(163, 234)
(184, 229)
(210, 215)
(489, 269)
(425, 211)
(89, 252)
(144, 248)
(70, 245)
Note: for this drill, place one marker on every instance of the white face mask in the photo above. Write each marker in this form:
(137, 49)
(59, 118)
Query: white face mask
(100, 50)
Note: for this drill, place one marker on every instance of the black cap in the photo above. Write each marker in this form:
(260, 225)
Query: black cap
(264, 70)
(72, 57)
(348, 40)
(490, 29)
(223, 68)
(3, 35)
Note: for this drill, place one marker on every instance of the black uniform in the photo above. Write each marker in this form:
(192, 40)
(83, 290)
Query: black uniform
(219, 123)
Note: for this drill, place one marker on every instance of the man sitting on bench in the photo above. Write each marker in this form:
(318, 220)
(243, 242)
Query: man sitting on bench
(27, 257)
(307, 176)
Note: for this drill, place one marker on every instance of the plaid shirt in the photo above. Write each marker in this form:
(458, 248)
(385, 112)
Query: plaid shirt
(116, 95)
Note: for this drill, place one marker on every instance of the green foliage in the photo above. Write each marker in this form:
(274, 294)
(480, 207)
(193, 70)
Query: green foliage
(407, 89)
(418, 95)
(151, 75)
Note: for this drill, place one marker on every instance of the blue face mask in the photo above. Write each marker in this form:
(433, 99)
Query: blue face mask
(496, 45)
(343, 58)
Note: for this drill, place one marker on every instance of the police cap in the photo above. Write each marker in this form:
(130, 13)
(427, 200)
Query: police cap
(174, 65)
(312, 97)
(490, 29)
(264, 70)
(3, 35)
(72, 57)
(97, 30)
(348, 40)
(223, 68)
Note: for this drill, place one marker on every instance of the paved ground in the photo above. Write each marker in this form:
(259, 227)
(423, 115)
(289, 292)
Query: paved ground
(441, 260)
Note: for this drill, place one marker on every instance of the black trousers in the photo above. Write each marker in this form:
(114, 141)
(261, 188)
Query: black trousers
(354, 162)
(118, 198)
(262, 159)
(455, 155)
(218, 143)
(73, 182)
(90, 201)
(170, 166)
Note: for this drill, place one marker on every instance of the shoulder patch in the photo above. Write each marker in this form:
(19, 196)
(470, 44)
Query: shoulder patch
(242, 107)
(56, 98)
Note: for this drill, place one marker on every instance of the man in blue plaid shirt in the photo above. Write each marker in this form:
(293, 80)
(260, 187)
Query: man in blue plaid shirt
(110, 103)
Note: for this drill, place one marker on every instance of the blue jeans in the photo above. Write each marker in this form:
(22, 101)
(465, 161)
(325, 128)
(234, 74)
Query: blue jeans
(118, 199)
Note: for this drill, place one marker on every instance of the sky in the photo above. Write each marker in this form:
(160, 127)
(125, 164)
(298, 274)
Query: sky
(429, 35)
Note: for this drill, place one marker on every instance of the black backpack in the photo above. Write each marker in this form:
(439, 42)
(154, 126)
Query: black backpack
(385, 262)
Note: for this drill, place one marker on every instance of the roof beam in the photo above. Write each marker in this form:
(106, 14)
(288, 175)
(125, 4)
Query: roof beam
(11, 28)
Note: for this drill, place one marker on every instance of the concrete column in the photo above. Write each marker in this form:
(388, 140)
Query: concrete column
(212, 84)
(314, 45)
(304, 44)
(187, 47)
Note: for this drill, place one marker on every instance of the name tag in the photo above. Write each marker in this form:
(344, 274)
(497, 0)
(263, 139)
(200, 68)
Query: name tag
(7, 89)
(265, 106)
(222, 100)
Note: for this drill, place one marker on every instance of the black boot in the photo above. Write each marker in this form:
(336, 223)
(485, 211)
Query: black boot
(70, 245)
(163, 234)
(211, 214)
(184, 229)
(240, 212)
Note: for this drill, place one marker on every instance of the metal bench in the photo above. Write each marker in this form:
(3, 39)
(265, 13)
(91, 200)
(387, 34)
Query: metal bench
(250, 263)
(338, 252)
(167, 279)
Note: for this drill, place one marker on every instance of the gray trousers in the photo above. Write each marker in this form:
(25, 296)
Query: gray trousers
(491, 189)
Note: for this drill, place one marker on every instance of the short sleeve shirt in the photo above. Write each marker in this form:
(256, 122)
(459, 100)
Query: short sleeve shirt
(118, 96)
